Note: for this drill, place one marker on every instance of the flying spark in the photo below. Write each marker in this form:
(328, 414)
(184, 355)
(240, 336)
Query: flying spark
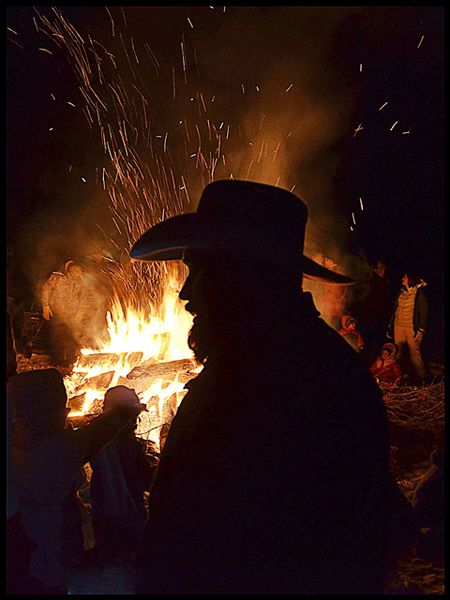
(421, 40)
(382, 106)
(289, 87)
(358, 129)
(391, 129)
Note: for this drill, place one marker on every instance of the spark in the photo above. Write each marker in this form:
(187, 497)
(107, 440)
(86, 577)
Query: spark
(51, 129)
(360, 67)
(45, 50)
(243, 88)
(213, 98)
(11, 30)
(211, 7)
(406, 132)
(421, 40)
(383, 105)
(221, 125)
(289, 87)
(358, 129)
(183, 58)
(83, 180)
(165, 140)
(361, 203)
(71, 104)
(353, 218)
(275, 152)
(257, 88)
(351, 228)
(190, 22)
(112, 21)
(53, 96)
(393, 126)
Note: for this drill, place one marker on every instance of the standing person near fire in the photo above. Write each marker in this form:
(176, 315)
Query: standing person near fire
(47, 461)
(61, 297)
(274, 478)
(374, 312)
(408, 325)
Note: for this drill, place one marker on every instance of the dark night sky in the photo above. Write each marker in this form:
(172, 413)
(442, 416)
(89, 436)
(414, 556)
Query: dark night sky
(399, 176)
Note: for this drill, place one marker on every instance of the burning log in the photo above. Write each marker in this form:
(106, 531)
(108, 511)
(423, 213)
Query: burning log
(165, 370)
(88, 361)
(145, 375)
(99, 382)
(75, 403)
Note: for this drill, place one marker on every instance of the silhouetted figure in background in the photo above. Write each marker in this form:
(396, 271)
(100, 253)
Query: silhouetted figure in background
(121, 474)
(18, 544)
(274, 478)
(408, 325)
(374, 312)
(47, 464)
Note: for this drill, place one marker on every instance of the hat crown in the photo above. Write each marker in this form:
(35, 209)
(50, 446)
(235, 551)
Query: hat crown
(258, 210)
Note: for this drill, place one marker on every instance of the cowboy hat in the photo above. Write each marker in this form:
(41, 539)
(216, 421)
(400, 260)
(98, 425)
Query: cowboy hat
(261, 222)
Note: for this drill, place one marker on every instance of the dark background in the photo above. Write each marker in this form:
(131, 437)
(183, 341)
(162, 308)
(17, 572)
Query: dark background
(399, 176)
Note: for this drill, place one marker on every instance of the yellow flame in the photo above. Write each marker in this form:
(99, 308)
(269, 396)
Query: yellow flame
(159, 336)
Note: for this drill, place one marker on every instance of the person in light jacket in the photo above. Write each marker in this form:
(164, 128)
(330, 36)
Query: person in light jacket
(408, 325)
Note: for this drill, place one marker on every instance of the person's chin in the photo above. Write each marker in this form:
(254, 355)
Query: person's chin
(199, 338)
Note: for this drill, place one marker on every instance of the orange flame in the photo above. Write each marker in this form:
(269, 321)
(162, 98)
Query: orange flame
(157, 337)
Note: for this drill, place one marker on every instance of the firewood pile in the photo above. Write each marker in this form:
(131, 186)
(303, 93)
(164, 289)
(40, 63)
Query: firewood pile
(416, 408)
(416, 417)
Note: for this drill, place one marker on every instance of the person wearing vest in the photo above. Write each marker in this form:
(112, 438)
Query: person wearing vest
(408, 324)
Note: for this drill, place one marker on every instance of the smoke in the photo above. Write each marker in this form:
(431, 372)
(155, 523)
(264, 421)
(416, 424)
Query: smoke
(286, 86)
(259, 93)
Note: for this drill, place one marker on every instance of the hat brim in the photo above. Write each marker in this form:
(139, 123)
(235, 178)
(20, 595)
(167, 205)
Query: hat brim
(170, 239)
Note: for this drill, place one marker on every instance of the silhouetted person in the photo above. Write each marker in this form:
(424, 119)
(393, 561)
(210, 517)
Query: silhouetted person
(120, 475)
(374, 313)
(274, 478)
(18, 544)
(47, 460)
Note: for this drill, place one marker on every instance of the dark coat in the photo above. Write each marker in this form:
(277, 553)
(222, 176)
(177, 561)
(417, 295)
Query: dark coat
(275, 475)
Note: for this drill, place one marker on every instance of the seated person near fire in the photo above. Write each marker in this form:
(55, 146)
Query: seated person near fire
(350, 332)
(386, 369)
(275, 477)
